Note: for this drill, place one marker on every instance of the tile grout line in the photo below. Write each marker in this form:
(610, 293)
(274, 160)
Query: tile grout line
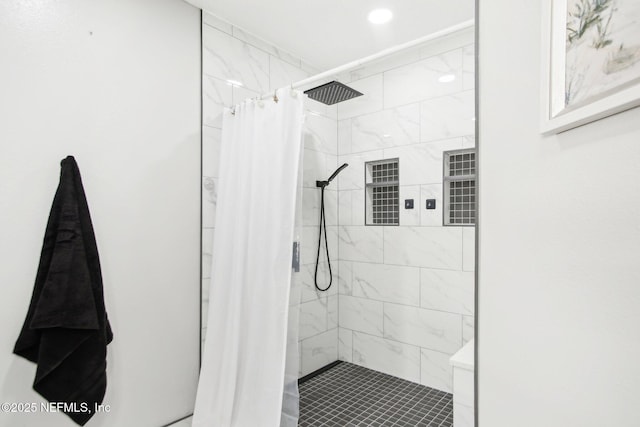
(418, 101)
(419, 347)
(275, 48)
(420, 302)
(405, 265)
(419, 48)
(409, 306)
(338, 263)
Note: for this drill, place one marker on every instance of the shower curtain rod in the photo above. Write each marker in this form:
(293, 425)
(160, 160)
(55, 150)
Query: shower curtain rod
(386, 52)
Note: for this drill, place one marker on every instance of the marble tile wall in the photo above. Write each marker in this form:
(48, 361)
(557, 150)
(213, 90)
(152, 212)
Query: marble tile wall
(230, 53)
(406, 293)
(319, 310)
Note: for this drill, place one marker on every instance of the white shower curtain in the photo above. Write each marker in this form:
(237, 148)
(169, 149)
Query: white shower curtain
(250, 351)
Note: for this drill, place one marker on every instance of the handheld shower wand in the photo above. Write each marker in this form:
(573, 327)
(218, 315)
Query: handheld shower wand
(322, 185)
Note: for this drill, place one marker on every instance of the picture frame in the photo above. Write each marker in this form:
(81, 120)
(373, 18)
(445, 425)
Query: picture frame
(590, 61)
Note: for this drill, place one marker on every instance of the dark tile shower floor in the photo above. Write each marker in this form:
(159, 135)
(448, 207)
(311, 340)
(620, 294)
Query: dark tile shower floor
(350, 395)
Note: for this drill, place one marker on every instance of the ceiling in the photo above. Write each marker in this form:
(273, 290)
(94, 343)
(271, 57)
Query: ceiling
(329, 33)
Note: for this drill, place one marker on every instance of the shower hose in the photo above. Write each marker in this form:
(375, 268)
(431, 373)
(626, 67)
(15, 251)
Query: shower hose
(323, 224)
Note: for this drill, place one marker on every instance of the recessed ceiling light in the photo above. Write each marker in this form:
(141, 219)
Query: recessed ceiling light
(234, 83)
(380, 16)
(447, 78)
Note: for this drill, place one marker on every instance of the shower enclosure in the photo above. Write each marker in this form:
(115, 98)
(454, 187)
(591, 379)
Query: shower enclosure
(402, 298)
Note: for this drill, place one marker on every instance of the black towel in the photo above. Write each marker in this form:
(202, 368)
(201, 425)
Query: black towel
(66, 331)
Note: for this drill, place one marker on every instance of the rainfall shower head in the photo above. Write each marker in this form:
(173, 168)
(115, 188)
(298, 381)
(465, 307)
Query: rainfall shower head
(332, 93)
(323, 184)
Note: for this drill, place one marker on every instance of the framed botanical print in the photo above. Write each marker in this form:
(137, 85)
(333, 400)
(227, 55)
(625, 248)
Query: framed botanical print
(591, 61)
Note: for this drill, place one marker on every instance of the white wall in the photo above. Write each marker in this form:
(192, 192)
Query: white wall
(559, 270)
(406, 292)
(116, 84)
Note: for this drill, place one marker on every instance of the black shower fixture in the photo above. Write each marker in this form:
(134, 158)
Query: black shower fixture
(332, 93)
(323, 224)
(323, 184)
